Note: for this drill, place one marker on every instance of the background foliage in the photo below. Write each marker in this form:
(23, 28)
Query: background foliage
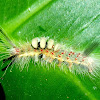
(74, 23)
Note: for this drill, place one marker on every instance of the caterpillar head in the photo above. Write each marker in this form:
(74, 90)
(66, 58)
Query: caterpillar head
(14, 51)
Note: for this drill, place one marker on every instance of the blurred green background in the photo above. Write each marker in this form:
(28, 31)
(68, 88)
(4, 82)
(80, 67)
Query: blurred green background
(73, 23)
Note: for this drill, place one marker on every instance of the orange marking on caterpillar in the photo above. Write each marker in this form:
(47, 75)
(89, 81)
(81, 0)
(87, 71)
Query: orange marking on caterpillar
(59, 56)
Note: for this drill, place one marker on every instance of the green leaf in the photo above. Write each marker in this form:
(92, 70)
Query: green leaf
(74, 24)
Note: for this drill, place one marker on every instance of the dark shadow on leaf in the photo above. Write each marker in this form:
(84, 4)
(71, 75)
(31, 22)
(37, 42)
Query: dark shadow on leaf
(2, 94)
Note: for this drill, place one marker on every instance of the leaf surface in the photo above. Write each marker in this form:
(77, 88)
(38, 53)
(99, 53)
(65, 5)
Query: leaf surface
(74, 24)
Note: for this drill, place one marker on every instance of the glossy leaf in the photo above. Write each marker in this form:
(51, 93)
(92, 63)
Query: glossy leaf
(74, 24)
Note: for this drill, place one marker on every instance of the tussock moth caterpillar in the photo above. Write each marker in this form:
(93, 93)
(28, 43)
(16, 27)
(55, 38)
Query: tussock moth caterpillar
(44, 49)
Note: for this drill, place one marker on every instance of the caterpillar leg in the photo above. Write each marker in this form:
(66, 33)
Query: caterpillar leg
(59, 64)
(50, 60)
(70, 65)
(90, 70)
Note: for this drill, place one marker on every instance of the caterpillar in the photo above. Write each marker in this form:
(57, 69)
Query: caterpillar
(44, 49)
